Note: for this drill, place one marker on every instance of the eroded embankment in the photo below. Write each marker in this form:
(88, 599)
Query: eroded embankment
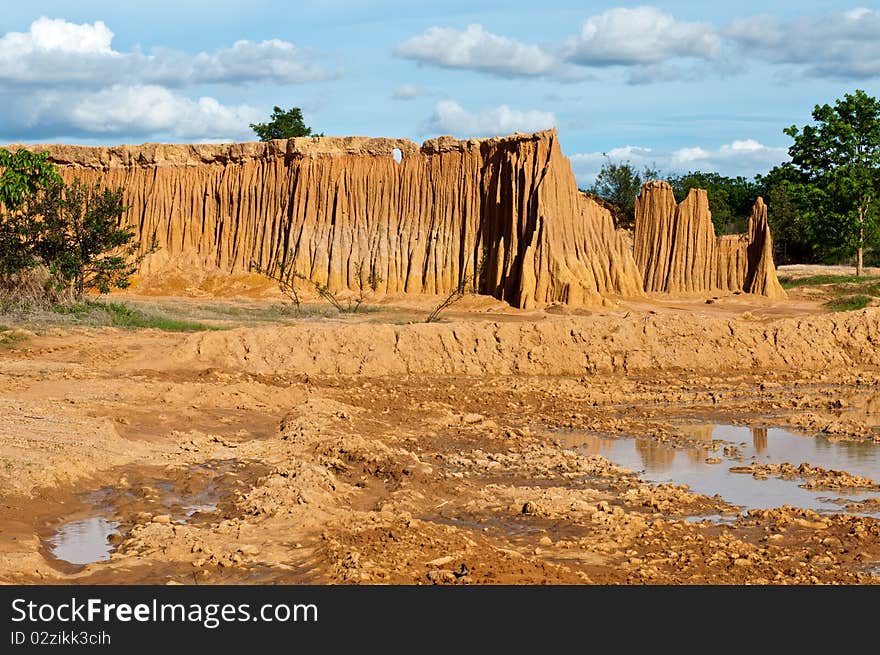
(503, 213)
(564, 346)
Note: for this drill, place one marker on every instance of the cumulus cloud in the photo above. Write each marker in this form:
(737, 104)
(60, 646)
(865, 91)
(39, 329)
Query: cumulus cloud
(56, 52)
(740, 157)
(138, 111)
(451, 118)
(842, 45)
(651, 45)
(643, 35)
(148, 109)
(476, 49)
(65, 80)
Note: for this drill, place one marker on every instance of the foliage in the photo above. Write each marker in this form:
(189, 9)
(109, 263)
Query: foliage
(619, 184)
(122, 316)
(848, 303)
(73, 231)
(283, 125)
(816, 280)
(77, 232)
(22, 174)
(793, 237)
(839, 159)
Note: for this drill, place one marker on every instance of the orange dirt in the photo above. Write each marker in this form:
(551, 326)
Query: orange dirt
(370, 450)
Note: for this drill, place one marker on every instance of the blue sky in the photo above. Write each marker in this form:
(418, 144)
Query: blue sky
(680, 85)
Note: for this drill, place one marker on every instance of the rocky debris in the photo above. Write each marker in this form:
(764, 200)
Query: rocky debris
(815, 477)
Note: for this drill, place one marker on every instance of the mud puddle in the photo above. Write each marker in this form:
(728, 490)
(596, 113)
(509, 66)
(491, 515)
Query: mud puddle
(705, 466)
(99, 516)
(83, 541)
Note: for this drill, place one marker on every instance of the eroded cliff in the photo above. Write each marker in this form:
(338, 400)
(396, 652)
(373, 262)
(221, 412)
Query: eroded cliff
(505, 211)
(676, 250)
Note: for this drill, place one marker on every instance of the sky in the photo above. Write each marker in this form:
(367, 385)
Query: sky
(677, 86)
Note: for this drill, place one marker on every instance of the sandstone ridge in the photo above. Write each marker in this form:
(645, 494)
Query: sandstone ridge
(505, 210)
(677, 252)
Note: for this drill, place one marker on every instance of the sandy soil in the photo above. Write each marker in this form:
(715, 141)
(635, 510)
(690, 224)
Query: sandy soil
(374, 450)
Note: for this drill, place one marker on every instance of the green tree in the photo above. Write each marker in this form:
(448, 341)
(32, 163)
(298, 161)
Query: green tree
(619, 184)
(282, 125)
(794, 237)
(79, 235)
(22, 174)
(839, 157)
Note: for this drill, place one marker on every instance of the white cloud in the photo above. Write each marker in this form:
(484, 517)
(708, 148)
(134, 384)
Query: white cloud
(478, 50)
(843, 45)
(134, 110)
(64, 80)
(643, 35)
(740, 157)
(406, 92)
(451, 118)
(139, 111)
(57, 35)
(56, 52)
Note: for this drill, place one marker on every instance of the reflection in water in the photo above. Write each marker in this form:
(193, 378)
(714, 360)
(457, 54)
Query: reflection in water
(662, 463)
(83, 541)
(655, 456)
(759, 438)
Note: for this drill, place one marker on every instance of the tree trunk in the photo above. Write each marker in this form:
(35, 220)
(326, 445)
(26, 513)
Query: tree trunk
(861, 249)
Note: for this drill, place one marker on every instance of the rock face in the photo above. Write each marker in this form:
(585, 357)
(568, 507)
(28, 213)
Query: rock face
(761, 272)
(676, 249)
(505, 211)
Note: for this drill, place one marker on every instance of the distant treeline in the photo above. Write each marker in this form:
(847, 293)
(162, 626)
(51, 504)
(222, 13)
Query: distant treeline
(823, 205)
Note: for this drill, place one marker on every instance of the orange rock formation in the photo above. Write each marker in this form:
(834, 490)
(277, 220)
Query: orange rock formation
(507, 209)
(676, 249)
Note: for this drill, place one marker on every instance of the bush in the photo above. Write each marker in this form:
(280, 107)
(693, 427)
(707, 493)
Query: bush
(76, 233)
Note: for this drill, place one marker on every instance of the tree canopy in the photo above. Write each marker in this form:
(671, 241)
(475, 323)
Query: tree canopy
(839, 160)
(619, 183)
(283, 124)
(74, 231)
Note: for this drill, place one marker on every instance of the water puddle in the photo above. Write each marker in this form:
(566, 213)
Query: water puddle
(186, 495)
(83, 541)
(743, 445)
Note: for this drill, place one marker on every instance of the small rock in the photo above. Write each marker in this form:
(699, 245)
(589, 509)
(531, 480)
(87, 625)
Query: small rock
(545, 541)
(162, 518)
(249, 549)
(440, 561)
(530, 508)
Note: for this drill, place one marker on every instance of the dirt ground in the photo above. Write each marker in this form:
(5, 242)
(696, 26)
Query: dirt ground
(376, 449)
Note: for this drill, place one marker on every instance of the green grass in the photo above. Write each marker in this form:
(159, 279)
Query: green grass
(815, 280)
(10, 339)
(122, 316)
(848, 303)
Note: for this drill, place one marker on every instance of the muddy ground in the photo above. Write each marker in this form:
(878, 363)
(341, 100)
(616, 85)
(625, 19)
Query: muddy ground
(375, 450)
